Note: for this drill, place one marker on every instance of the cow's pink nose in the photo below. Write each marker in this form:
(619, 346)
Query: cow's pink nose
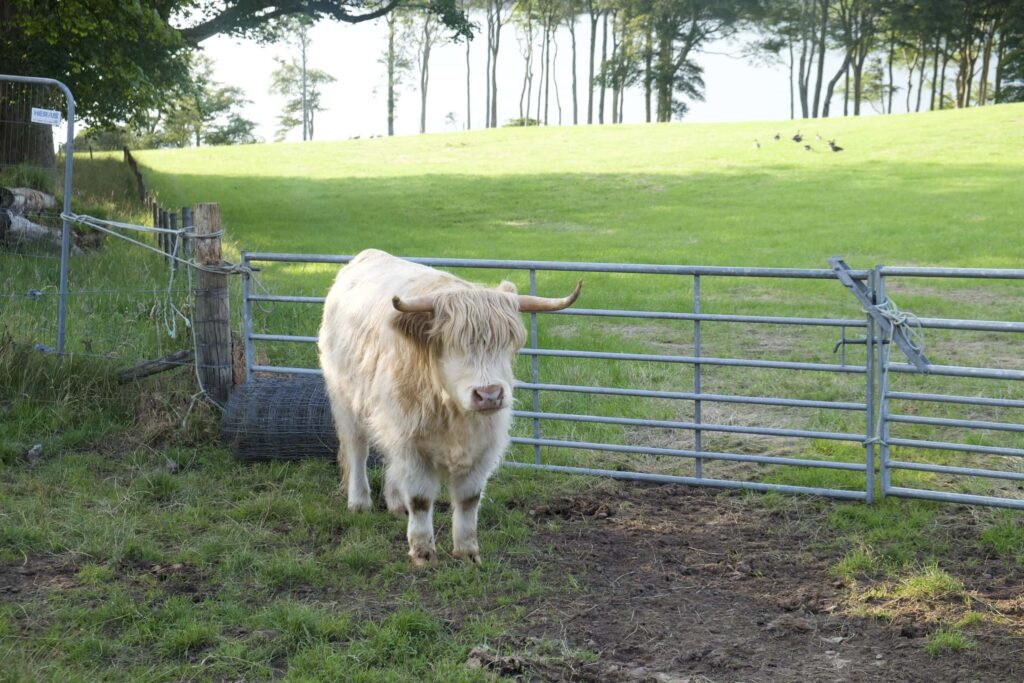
(489, 397)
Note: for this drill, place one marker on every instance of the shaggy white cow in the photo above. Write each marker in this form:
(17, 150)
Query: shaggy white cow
(418, 363)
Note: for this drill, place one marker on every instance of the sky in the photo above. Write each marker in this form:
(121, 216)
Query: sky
(736, 89)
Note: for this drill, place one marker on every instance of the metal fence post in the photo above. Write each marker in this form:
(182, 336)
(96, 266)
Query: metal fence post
(883, 390)
(212, 319)
(535, 370)
(175, 244)
(697, 434)
(247, 316)
(186, 226)
(869, 398)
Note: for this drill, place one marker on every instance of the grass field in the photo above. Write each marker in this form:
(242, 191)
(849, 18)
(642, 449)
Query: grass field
(136, 549)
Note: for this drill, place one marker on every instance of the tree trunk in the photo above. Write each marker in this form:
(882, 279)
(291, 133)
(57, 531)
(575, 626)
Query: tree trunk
(526, 94)
(615, 68)
(648, 75)
(469, 89)
(804, 58)
(821, 56)
(942, 78)
(663, 80)
(487, 69)
(892, 84)
(494, 64)
(575, 97)
(604, 60)
(22, 142)
(425, 72)
(554, 71)
(594, 16)
(392, 21)
(832, 84)
(997, 96)
(547, 66)
(935, 73)
(920, 76)
(305, 98)
(792, 83)
(986, 63)
(846, 91)
(540, 83)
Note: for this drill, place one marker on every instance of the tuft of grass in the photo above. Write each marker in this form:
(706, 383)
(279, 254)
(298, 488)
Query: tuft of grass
(948, 639)
(857, 562)
(931, 583)
(184, 639)
(1005, 536)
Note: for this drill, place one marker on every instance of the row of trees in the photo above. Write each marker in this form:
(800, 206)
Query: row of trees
(946, 48)
(125, 60)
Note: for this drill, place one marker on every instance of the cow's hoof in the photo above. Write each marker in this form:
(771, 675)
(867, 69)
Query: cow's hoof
(423, 557)
(471, 555)
(360, 506)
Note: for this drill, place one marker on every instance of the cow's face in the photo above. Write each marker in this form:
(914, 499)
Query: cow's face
(477, 334)
(472, 337)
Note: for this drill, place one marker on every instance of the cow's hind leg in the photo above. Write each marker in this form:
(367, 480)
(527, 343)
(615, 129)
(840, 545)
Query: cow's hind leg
(393, 495)
(417, 487)
(353, 451)
(466, 491)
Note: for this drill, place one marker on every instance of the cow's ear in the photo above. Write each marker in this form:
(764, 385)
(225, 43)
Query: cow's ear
(507, 286)
(414, 326)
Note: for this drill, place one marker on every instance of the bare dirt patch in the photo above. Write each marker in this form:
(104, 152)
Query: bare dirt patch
(35, 573)
(687, 585)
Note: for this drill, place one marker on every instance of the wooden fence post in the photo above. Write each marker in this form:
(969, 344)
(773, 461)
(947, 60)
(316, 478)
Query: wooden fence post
(211, 319)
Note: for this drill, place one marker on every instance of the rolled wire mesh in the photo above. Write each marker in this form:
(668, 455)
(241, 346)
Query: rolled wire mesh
(280, 418)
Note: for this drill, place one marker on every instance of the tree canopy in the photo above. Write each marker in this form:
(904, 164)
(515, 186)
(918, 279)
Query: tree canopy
(119, 57)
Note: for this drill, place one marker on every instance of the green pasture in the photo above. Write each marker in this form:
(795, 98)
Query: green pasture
(212, 570)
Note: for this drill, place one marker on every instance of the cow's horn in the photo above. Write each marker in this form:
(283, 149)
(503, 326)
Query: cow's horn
(538, 304)
(416, 304)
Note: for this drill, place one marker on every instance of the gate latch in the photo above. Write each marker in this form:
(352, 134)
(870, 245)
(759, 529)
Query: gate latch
(890, 330)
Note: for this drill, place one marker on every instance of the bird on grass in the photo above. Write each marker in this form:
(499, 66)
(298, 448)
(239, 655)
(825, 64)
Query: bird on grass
(817, 137)
(757, 145)
(798, 137)
(834, 147)
(778, 136)
(808, 148)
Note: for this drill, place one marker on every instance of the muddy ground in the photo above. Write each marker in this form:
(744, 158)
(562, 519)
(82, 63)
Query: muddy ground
(683, 584)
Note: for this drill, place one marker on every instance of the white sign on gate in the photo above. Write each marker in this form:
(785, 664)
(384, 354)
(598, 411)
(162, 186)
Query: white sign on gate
(47, 116)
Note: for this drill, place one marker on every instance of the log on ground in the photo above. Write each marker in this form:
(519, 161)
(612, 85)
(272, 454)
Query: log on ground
(16, 229)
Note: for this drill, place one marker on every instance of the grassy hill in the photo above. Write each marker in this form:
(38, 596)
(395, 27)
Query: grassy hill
(934, 188)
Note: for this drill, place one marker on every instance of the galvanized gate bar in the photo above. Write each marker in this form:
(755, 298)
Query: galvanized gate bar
(963, 400)
(694, 481)
(691, 396)
(575, 266)
(690, 453)
(878, 371)
(729, 362)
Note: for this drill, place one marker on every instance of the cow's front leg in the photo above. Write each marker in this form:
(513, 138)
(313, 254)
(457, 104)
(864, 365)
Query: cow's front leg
(466, 492)
(418, 487)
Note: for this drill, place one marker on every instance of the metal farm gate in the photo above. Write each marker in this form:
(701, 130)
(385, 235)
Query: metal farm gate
(632, 392)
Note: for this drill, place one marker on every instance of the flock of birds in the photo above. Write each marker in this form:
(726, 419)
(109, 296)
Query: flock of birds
(798, 138)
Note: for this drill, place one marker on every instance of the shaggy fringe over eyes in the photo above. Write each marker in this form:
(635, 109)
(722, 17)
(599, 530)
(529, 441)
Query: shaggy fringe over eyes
(474, 319)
